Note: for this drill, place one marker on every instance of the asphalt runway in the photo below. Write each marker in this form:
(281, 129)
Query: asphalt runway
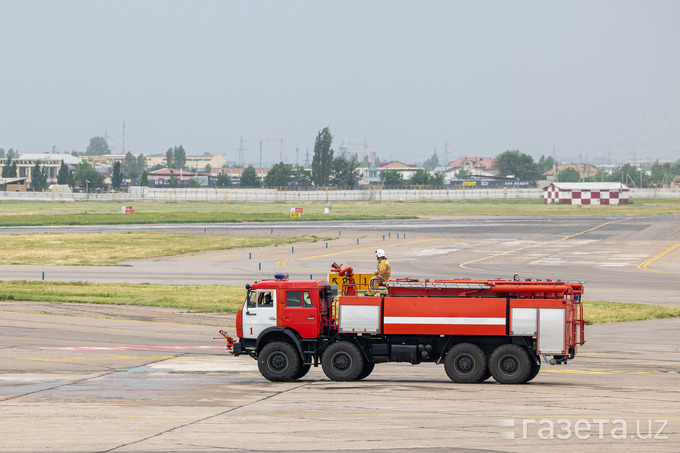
(635, 259)
(98, 378)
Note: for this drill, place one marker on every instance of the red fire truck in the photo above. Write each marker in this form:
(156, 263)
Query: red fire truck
(476, 328)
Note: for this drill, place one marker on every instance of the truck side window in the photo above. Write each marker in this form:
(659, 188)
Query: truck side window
(266, 300)
(294, 299)
(252, 299)
(306, 300)
(297, 299)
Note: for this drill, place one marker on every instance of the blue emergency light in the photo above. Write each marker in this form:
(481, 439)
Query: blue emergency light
(281, 276)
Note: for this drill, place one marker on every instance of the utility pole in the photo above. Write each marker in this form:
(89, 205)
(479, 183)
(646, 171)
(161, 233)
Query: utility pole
(261, 177)
(123, 138)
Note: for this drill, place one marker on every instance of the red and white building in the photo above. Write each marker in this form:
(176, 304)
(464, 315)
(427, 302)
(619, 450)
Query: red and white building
(586, 193)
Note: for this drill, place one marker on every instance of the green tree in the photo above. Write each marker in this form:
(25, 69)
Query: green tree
(279, 175)
(179, 157)
(169, 155)
(38, 177)
(144, 179)
(64, 176)
(195, 183)
(437, 179)
(420, 178)
(322, 161)
(431, 163)
(520, 165)
(87, 177)
(130, 166)
(344, 172)
(223, 180)
(97, 147)
(391, 178)
(544, 164)
(463, 174)
(117, 176)
(249, 177)
(74, 153)
(302, 177)
(13, 154)
(173, 180)
(569, 175)
(9, 170)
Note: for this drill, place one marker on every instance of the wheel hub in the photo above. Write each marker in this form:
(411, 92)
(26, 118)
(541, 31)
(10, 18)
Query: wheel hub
(277, 362)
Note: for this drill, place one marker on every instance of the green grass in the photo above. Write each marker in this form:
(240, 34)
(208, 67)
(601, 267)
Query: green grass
(596, 312)
(224, 298)
(203, 298)
(42, 213)
(107, 249)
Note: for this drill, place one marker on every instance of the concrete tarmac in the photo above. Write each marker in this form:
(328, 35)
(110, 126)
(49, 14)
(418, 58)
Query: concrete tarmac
(635, 259)
(82, 378)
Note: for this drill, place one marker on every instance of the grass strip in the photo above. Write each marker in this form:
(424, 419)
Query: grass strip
(598, 312)
(225, 298)
(44, 213)
(108, 249)
(201, 298)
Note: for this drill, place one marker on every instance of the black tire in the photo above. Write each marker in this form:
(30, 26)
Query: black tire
(486, 375)
(304, 369)
(510, 364)
(535, 368)
(366, 371)
(279, 361)
(465, 363)
(342, 361)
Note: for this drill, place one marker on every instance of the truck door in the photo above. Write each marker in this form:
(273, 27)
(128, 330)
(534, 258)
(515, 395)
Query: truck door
(301, 313)
(259, 312)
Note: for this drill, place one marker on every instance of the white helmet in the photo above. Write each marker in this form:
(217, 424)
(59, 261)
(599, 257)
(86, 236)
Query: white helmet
(380, 253)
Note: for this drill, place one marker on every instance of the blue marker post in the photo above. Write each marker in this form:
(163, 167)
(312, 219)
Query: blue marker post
(259, 266)
(271, 231)
(310, 277)
(292, 249)
(383, 237)
(389, 235)
(204, 230)
(339, 233)
(357, 240)
(43, 276)
(397, 235)
(326, 244)
(250, 255)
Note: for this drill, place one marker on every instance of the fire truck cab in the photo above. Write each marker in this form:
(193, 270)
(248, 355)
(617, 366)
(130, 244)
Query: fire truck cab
(476, 328)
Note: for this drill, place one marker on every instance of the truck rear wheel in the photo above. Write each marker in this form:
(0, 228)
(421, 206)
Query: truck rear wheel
(510, 364)
(465, 363)
(279, 361)
(304, 369)
(366, 371)
(535, 368)
(342, 361)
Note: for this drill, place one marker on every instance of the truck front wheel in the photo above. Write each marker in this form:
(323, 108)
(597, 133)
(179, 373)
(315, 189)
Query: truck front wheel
(279, 361)
(465, 363)
(510, 364)
(342, 361)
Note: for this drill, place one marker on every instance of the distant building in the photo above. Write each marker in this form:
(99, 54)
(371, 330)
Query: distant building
(235, 173)
(12, 184)
(161, 178)
(585, 170)
(51, 162)
(586, 193)
(473, 166)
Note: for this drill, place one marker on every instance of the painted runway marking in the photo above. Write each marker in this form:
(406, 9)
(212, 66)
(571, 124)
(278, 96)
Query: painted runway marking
(554, 243)
(79, 359)
(126, 348)
(643, 266)
(284, 263)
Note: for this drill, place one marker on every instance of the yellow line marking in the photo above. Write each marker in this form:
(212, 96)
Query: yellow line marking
(79, 359)
(464, 265)
(102, 319)
(643, 266)
(283, 263)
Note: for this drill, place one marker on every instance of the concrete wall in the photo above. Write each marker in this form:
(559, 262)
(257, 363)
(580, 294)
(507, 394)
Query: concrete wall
(272, 195)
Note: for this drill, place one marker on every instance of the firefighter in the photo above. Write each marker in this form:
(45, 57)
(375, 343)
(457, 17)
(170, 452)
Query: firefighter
(381, 274)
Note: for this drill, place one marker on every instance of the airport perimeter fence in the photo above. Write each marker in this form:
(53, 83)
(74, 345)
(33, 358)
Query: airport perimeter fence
(288, 196)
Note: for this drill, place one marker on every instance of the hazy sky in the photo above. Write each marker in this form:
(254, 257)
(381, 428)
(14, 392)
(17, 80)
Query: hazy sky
(588, 78)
